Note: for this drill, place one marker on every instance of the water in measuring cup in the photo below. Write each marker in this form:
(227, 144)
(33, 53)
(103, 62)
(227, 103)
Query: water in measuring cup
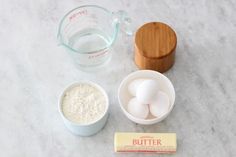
(89, 40)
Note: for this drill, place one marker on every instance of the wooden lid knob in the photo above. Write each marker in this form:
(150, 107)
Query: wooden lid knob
(155, 45)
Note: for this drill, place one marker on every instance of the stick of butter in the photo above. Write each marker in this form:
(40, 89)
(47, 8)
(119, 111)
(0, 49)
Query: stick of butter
(145, 142)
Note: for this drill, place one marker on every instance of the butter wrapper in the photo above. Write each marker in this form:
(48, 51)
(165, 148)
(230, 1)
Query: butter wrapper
(145, 142)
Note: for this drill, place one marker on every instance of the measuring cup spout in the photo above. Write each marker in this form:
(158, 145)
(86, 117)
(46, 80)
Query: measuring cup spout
(121, 18)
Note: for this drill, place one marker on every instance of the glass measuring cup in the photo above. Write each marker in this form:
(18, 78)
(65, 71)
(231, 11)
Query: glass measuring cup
(89, 31)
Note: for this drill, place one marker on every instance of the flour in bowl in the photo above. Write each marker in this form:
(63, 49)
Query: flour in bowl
(83, 104)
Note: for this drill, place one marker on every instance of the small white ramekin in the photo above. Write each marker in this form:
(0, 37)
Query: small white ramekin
(124, 96)
(89, 128)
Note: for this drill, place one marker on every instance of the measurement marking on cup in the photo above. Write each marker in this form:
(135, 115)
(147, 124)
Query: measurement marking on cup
(98, 54)
(78, 14)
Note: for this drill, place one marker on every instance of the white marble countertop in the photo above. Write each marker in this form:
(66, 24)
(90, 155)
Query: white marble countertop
(34, 71)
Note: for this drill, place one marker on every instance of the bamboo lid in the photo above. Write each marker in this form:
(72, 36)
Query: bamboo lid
(155, 45)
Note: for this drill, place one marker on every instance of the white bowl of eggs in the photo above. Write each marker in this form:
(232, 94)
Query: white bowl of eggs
(146, 97)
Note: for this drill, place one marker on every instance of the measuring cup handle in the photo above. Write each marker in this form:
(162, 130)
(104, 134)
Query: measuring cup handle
(124, 21)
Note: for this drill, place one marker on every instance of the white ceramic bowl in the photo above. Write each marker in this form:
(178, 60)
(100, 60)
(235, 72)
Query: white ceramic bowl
(89, 128)
(124, 96)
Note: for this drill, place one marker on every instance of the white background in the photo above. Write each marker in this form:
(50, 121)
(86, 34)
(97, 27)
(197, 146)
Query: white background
(34, 71)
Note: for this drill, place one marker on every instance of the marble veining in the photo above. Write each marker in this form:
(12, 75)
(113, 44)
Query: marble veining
(34, 71)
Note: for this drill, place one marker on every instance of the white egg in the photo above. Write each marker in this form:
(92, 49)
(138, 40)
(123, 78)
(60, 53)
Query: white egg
(160, 105)
(133, 86)
(147, 91)
(137, 109)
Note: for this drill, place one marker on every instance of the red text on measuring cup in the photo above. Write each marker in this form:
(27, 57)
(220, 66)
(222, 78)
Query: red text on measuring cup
(78, 14)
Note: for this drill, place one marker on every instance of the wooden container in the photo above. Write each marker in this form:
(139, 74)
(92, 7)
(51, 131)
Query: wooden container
(155, 45)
